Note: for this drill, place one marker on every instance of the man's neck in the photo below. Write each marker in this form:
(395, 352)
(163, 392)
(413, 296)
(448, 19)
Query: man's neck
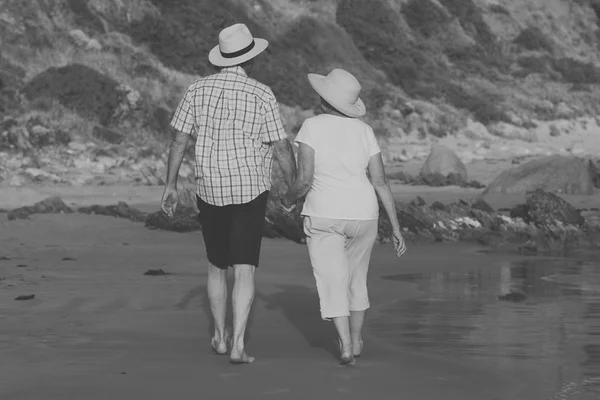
(236, 69)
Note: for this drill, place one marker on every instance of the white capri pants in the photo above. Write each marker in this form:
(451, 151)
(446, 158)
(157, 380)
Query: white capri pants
(340, 251)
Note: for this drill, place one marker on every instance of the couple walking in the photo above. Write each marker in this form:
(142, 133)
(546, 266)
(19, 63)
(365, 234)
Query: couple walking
(239, 133)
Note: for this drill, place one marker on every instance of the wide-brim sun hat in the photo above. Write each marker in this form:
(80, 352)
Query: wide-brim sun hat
(236, 45)
(341, 90)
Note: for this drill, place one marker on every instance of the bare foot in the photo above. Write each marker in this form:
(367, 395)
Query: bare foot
(239, 356)
(220, 344)
(357, 348)
(347, 358)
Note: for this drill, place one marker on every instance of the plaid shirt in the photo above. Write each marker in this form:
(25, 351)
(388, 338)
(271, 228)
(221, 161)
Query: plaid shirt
(236, 119)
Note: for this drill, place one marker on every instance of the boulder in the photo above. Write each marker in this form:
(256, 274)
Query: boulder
(560, 174)
(51, 205)
(444, 161)
(184, 220)
(121, 210)
(547, 209)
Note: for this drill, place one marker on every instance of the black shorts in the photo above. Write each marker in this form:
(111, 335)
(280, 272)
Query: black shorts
(233, 233)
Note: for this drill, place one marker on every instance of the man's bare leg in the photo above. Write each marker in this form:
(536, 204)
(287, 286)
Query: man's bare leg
(217, 295)
(243, 296)
(357, 319)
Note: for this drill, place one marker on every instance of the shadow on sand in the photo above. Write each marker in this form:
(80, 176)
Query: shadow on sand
(300, 306)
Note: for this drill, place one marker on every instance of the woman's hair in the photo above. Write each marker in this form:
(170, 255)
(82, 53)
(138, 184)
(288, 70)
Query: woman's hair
(330, 109)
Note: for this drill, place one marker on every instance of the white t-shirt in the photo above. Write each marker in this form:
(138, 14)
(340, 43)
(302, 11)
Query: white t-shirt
(340, 188)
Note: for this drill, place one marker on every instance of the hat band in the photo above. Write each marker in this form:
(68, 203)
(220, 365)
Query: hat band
(239, 52)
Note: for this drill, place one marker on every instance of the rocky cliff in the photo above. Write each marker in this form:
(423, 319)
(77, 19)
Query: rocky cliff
(88, 86)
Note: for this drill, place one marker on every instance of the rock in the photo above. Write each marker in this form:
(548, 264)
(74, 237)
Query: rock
(107, 135)
(454, 179)
(595, 169)
(481, 204)
(487, 220)
(560, 174)
(513, 296)
(156, 272)
(514, 118)
(93, 45)
(577, 149)
(554, 131)
(185, 219)
(51, 205)
(547, 209)
(520, 211)
(562, 110)
(510, 131)
(121, 210)
(434, 180)
(107, 162)
(79, 37)
(77, 146)
(15, 138)
(38, 175)
(444, 161)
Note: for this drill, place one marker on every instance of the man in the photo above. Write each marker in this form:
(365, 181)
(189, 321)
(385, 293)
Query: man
(239, 130)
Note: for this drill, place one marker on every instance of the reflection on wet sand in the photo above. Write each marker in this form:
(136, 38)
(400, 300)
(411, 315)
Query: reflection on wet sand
(550, 339)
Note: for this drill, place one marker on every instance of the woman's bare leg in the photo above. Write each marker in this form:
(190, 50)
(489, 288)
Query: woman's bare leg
(357, 319)
(342, 325)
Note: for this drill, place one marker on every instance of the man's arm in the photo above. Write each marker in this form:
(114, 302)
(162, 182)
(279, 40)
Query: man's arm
(274, 134)
(176, 153)
(306, 171)
(285, 157)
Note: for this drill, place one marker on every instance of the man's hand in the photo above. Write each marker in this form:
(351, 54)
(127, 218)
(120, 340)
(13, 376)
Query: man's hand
(169, 201)
(398, 242)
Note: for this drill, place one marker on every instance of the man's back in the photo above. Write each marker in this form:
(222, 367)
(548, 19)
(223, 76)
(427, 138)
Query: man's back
(235, 118)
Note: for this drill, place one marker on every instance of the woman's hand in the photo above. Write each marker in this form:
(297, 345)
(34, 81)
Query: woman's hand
(398, 242)
(287, 206)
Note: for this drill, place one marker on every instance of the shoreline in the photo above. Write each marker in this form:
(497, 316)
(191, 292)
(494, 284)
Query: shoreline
(147, 197)
(108, 330)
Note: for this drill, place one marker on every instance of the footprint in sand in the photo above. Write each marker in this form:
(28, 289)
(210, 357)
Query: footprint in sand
(276, 391)
(229, 375)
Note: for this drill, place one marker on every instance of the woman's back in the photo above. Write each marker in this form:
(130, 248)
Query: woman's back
(340, 188)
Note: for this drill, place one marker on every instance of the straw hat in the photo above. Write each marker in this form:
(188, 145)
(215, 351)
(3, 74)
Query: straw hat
(236, 45)
(340, 89)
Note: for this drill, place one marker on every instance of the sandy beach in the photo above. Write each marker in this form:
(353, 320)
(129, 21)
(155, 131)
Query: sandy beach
(99, 328)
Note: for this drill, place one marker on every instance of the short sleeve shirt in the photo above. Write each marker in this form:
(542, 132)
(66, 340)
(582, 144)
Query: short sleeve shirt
(236, 119)
(340, 187)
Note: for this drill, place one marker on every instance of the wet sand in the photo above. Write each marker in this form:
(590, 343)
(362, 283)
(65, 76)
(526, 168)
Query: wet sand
(99, 328)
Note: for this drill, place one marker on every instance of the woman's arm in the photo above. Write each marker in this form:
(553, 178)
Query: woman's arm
(382, 188)
(304, 178)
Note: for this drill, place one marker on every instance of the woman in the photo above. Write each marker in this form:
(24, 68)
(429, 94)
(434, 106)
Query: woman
(335, 151)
